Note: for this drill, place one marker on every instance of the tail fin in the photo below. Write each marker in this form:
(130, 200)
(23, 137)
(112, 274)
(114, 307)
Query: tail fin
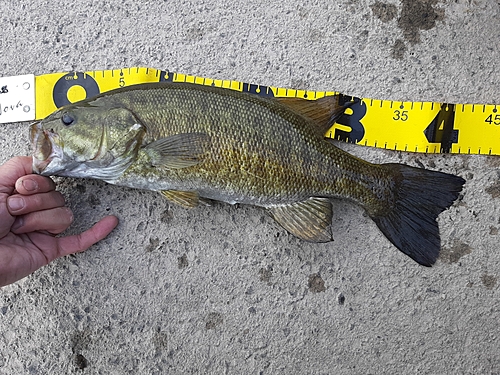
(420, 196)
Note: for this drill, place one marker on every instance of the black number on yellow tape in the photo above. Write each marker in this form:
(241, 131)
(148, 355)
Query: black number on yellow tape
(351, 119)
(440, 130)
(493, 120)
(400, 115)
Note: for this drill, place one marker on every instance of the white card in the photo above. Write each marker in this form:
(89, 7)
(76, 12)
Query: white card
(17, 98)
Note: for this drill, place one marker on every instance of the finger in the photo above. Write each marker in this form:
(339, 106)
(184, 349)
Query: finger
(6, 220)
(33, 184)
(55, 221)
(20, 205)
(82, 241)
(12, 170)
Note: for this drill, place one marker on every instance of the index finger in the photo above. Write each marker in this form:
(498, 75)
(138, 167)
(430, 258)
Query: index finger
(33, 184)
(81, 242)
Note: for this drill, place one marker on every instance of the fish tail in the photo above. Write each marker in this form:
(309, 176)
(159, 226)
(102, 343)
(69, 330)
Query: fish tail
(420, 195)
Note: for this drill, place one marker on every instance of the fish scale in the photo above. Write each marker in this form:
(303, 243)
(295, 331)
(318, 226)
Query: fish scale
(194, 143)
(252, 143)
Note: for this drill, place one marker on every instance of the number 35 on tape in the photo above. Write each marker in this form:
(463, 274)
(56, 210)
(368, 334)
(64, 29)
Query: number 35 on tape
(407, 126)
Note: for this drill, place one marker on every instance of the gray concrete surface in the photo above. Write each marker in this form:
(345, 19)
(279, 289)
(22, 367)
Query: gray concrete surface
(223, 290)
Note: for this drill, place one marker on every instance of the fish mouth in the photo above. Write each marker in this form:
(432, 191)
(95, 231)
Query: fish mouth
(46, 146)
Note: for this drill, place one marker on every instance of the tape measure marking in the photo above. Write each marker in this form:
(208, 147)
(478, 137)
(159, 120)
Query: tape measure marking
(65, 83)
(406, 126)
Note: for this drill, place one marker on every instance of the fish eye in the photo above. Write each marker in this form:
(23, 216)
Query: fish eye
(67, 119)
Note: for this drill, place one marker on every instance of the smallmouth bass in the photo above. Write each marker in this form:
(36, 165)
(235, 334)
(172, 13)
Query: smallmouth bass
(196, 143)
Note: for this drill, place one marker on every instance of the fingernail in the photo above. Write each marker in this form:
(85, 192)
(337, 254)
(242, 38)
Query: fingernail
(71, 217)
(30, 185)
(15, 203)
(18, 223)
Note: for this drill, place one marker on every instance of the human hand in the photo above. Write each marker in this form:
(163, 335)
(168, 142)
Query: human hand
(31, 214)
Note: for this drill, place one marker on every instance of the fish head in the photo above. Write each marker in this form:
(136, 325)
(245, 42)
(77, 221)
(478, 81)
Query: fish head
(86, 140)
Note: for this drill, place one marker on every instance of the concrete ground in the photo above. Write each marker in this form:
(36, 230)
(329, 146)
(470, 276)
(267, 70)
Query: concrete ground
(222, 289)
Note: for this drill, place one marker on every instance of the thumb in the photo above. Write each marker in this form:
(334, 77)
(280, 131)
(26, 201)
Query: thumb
(12, 170)
(9, 173)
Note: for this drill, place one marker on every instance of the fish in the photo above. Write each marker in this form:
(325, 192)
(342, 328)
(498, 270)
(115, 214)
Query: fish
(197, 144)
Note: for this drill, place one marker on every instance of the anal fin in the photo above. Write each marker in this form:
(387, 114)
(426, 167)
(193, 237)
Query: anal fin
(309, 220)
(187, 199)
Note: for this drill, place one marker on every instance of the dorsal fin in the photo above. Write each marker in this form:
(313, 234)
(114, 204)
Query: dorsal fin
(323, 112)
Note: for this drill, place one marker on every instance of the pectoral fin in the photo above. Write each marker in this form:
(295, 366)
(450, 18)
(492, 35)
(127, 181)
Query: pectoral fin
(179, 150)
(309, 220)
(323, 112)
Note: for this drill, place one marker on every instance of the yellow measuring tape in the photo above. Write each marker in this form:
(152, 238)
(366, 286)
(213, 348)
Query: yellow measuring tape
(406, 126)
